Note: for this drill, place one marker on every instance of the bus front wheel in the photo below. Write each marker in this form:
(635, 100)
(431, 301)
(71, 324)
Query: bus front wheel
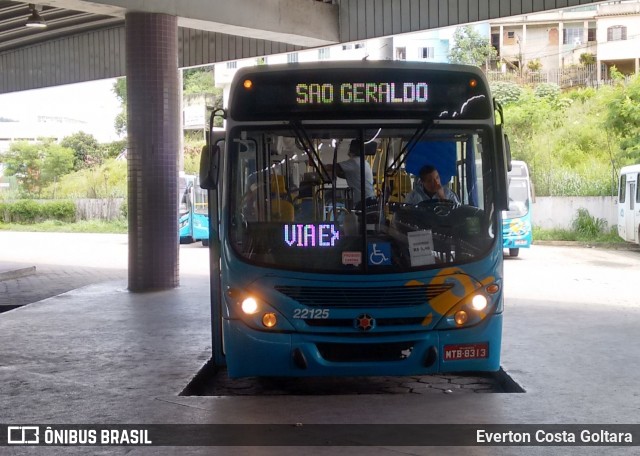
(514, 252)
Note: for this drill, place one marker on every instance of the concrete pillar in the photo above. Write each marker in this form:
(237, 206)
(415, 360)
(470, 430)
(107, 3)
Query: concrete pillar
(153, 127)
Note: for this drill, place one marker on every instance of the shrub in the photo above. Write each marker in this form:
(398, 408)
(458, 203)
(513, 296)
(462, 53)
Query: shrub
(29, 211)
(506, 92)
(25, 211)
(64, 211)
(548, 90)
(124, 209)
(587, 225)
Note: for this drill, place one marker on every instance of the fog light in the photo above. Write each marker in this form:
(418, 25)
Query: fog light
(479, 302)
(269, 320)
(461, 317)
(249, 306)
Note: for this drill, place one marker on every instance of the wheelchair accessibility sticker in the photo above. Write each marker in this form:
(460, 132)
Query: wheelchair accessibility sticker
(379, 253)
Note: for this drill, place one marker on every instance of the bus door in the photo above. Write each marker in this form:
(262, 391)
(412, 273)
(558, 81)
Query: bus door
(185, 215)
(632, 208)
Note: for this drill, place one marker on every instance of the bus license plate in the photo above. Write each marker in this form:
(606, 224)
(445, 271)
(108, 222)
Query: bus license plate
(466, 351)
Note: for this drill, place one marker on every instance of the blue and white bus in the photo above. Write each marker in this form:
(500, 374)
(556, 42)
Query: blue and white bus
(629, 204)
(299, 288)
(193, 217)
(517, 230)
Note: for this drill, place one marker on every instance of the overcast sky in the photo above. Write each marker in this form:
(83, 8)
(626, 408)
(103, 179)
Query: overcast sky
(92, 102)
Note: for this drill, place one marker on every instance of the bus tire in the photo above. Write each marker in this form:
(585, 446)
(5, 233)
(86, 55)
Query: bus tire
(514, 252)
(205, 242)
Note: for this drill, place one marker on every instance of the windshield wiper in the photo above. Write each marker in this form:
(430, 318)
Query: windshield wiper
(404, 153)
(314, 158)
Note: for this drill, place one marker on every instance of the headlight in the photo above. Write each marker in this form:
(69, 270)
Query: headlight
(249, 306)
(472, 309)
(254, 311)
(479, 302)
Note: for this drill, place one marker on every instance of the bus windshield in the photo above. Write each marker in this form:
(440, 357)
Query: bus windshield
(518, 197)
(287, 211)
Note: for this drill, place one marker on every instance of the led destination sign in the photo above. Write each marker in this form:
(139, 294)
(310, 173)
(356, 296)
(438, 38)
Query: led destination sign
(309, 235)
(362, 92)
(351, 93)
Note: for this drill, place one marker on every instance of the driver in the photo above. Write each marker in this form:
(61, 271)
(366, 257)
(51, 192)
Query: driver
(430, 188)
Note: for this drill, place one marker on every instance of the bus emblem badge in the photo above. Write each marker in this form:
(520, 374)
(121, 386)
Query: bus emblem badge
(364, 322)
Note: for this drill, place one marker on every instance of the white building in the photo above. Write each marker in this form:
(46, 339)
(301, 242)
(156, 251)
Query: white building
(610, 32)
(429, 46)
(38, 128)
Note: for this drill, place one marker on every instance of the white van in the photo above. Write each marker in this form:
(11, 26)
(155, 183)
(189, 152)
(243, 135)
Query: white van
(629, 204)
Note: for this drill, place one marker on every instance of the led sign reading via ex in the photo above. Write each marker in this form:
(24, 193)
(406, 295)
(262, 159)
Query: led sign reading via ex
(362, 92)
(323, 235)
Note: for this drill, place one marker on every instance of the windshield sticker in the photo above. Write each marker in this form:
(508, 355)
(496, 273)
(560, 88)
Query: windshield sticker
(352, 258)
(379, 253)
(421, 247)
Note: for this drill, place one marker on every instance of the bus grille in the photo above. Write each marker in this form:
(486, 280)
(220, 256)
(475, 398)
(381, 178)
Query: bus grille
(349, 322)
(346, 297)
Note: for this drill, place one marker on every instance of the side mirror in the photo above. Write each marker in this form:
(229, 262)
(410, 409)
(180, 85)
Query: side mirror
(209, 166)
(370, 148)
(504, 166)
(507, 150)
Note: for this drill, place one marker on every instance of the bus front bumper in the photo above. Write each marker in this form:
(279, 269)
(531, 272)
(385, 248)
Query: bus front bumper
(252, 353)
(516, 242)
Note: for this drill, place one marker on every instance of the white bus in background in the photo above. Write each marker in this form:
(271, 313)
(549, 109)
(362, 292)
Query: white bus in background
(517, 229)
(629, 204)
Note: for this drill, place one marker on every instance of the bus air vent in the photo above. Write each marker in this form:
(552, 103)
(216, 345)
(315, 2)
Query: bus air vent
(346, 297)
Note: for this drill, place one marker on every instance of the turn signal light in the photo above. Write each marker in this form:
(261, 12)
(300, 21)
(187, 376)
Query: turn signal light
(493, 288)
(248, 83)
(461, 317)
(269, 320)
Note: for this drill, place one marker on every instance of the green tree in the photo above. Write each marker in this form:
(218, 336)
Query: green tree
(86, 150)
(108, 180)
(24, 161)
(113, 149)
(586, 58)
(201, 81)
(120, 90)
(37, 165)
(58, 161)
(534, 65)
(198, 80)
(623, 118)
(470, 47)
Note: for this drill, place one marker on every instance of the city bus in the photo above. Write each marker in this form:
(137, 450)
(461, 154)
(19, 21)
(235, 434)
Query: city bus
(517, 231)
(193, 217)
(307, 281)
(629, 204)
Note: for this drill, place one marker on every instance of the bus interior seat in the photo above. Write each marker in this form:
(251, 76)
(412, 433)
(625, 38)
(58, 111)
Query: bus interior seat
(306, 202)
(282, 210)
(278, 186)
(399, 186)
